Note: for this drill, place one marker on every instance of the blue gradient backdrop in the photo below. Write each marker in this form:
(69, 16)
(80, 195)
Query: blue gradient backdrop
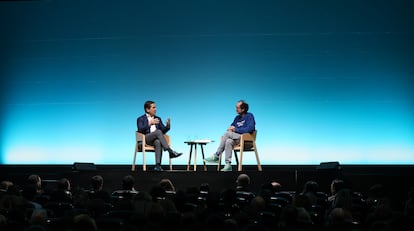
(327, 80)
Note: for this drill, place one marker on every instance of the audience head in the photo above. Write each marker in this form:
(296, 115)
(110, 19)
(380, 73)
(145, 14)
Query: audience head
(32, 188)
(257, 204)
(336, 185)
(97, 182)
(35, 180)
(311, 186)
(409, 204)
(128, 182)
(84, 222)
(167, 185)
(243, 180)
(276, 186)
(64, 184)
(339, 216)
(272, 186)
(39, 217)
(288, 217)
(4, 185)
(3, 221)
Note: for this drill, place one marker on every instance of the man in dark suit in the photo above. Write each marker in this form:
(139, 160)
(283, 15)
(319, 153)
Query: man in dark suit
(154, 130)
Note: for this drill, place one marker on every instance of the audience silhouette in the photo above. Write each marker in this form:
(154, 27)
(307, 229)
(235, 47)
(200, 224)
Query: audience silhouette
(235, 208)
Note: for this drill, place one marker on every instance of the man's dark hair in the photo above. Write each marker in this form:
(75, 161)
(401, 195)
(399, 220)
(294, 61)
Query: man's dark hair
(97, 182)
(338, 184)
(311, 186)
(243, 180)
(147, 105)
(63, 184)
(128, 182)
(33, 179)
(244, 105)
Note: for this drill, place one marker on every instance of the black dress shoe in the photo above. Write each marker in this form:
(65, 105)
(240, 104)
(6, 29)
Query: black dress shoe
(158, 169)
(175, 154)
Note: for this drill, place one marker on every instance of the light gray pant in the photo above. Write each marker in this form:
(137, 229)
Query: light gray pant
(157, 139)
(228, 140)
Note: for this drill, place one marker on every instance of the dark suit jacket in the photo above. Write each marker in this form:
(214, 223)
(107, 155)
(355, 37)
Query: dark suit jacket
(144, 128)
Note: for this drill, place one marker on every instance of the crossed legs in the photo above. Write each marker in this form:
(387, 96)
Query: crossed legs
(157, 140)
(226, 144)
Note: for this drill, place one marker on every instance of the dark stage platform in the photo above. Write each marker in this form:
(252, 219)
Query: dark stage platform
(397, 178)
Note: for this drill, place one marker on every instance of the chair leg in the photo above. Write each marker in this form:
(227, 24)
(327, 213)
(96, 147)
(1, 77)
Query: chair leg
(259, 166)
(239, 166)
(144, 162)
(133, 162)
(237, 158)
(219, 163)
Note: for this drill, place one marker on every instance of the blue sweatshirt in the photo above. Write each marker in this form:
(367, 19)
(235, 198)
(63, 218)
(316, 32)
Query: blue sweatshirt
(245, 123)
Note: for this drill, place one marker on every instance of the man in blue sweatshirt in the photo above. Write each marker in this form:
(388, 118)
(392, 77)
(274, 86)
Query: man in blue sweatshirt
(243, 123)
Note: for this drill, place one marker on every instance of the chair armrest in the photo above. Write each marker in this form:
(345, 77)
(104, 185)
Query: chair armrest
(247, 137)
(140, 137)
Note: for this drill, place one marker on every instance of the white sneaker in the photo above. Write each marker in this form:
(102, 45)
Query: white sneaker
(227, 168)
(212, 159)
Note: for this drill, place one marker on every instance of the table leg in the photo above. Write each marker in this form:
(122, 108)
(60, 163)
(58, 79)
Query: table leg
(189, 158)
(195, 157)
(202, 153)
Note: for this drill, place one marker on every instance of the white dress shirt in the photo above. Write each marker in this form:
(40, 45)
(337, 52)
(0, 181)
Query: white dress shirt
(152, 127)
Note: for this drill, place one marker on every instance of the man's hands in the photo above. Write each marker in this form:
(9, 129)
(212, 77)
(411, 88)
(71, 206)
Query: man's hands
(154, 121)
(231, 129)
(157, 121)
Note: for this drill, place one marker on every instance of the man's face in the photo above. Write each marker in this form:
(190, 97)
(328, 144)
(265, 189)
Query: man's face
(238, 108)
(152, 110)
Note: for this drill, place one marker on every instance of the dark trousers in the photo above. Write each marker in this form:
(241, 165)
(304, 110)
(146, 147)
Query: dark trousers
(157, 139)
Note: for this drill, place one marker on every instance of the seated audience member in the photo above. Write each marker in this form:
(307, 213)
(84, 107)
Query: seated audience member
(63, 192)
(243, 183)
(122, 198)
(310, 190)
(339, 219)
(276, 186)
(4, 187)
(97, 191)
(409, 204)
(128, 185)
(243, 192)
(168, 187)
(32, 191)
(83, 222)
(336, 185)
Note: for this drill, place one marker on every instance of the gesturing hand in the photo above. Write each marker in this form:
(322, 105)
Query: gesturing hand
(155, 121)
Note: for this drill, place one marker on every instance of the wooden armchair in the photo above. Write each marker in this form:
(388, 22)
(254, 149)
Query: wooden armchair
(247, 144)
(141, 146)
